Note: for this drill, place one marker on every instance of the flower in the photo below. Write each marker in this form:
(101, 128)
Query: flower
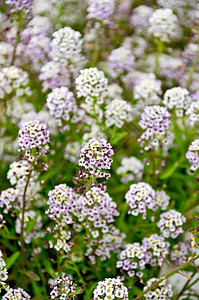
(110, 288)
(163, 24)
(131, 168)
(180, 252)
(91, 84)
(117, 112)
(140, 197)
(16, 294)
(63, 287)
(163, 291)
(132, 258)
(24, 5)
(120, 60)
(95, 157)
(193, 113)
(171, 223)
(177, 98)
(193, 155)
(3, 274)
(101, 10)
(66, 45)
(162, 199)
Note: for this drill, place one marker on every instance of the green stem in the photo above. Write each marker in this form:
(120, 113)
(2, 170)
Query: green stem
(169, 274)
(159, 51)
(19, 27)
(154, 167)
(42, 277)
(78, 273)
(186, 284)
(96, 53)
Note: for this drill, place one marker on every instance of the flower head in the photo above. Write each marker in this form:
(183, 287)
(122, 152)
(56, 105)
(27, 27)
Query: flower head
(171, 223)
(110, 288)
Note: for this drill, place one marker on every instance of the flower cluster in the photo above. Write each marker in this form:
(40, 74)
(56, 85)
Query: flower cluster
(162, 199)
(131, 169)
(132, 258)
(53, 74)
(61, 103)
(163, 291)
(110, 288)
(178, 99)
(100, 10)
(3, 273)
(14, 79)
(147, 89)
(33, 135)
(121, 60)
(16, 5)
(140, 18)
(193, 155)
(156, 249)
(95, 156)
(63, 287)
(163, 24)
(16, 294)
(117, 112)
(155, 120)
(10, 197)
(66, 45)
(171, 223)
(180, 252)
(193, 113)
(19, 171)
(140, 197)
(92, 84)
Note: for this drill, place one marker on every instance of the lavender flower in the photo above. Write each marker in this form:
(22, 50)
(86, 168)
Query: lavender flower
(61, 103)
(132, 259)
(193, 155)
(163, 291)
(95, 156)
(110, 288)
(100, 10)
(156, 248)
(162, 199)
(193, 113)
(24, 5)
(140, 197)
(140, 18)
(155, 120)
(171, 223)
(121, 60)
(180, 253)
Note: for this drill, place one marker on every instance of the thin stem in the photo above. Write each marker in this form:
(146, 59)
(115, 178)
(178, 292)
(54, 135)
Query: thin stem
(78, 273)
(97, 49)
(154, 167)
(18, 38)
(159, 51)
(186, 284)
(169, 274)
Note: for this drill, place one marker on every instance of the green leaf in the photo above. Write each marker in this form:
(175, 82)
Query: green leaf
(31, 223)
(49, 268)
(11, 260)
(32, 275)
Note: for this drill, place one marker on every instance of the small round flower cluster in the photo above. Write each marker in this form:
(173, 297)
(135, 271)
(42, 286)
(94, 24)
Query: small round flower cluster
(140, 197)
(6, 51)
(19, 171)
(91, 83)
(155, 120)
(63, 287)
(162, 199)
(163, 24)
(95, 156)
(24, 5)
(33, 136)
(72, 151)
(101, 10)
(147, 90)
(132, 258)
(3, 274)
(193, 155)
(163, 291)
(110, 288)
(156, 249)
(117, 112)
(14, 79)
(9, 196)
(99, 209)
(112, 241)
(121, 60)
(16, 294)
(177, 98)
(170, 223)
(38, 26)
(66, 45)
(180, 252)
(131, 169)
(53, 74)
(140, 18)
(61, 103)
(193, 113)
(35, 231)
